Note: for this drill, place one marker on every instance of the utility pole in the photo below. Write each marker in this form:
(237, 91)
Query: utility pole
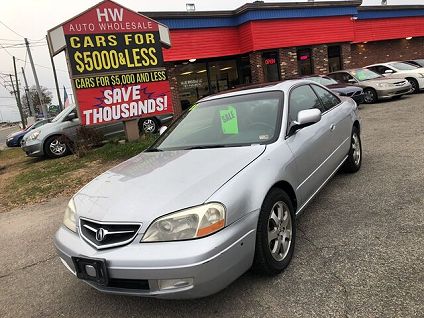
(29, 100)
(55, 79)
(37, 84)
(18, 99)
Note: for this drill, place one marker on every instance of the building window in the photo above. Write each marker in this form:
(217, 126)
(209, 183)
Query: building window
(304, 61)
(223, 75)
(192, 82)
(271, 68)
(334, 58)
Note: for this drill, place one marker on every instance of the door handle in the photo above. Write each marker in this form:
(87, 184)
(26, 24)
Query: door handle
(332, 127)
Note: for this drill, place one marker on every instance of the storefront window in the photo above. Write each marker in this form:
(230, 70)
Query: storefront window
(192, 82)
(334, 58)
(304, 61)
(270, 63)
(223, 75)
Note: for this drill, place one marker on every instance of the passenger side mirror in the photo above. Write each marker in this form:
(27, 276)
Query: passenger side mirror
(71, 116)
(305, 118)
(162, 130)
(388, 72)
(351, 80)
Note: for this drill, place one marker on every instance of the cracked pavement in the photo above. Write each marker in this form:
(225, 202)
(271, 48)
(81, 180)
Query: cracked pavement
(359, 250)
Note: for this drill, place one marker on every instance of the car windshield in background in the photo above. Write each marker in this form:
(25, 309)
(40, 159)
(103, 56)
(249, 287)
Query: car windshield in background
(323, 80)
(403, 66)
(231, 121)
(364, 74)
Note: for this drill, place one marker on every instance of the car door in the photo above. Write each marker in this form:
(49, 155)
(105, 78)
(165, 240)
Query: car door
(338, 114)
(69, 127)
(309, 145)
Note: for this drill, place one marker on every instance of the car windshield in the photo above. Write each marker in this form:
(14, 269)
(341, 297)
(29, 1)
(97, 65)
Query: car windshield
(226, 122)
(323, 80)
(403, 66)
(62, 114)
(363, 74)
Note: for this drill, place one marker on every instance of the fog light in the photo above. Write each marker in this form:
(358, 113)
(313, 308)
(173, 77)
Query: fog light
(165, 284)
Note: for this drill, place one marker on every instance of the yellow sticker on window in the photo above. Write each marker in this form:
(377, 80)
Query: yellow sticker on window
(229, 120)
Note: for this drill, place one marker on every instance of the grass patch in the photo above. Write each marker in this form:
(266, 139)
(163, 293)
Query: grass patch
(26, 180)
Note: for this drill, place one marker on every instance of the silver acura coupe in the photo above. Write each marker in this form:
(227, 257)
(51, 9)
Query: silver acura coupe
(216, 194)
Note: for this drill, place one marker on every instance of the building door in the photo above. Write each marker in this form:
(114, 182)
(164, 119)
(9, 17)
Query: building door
(304, 61)
(334, 58)
(271, 68)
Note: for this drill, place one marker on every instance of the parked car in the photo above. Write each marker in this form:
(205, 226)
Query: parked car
(412, 73)
(419, 62)
(15, 139)
(218, 192)
(349, 90)
(376, 87)
(54, 139)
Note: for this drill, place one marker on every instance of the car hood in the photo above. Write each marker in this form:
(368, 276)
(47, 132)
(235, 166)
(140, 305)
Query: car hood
(390, 80)
(344, 88)
(153, 184)
(17, 134)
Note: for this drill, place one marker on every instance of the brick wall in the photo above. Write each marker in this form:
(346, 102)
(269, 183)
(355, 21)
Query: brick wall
(256, 67)
(320, 59)
(346, 55)
(172, 77)
(288, 62)
(385, 51)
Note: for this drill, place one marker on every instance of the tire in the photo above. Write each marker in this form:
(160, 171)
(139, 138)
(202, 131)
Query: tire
(56, 146)
(354, 157)
(414, 84)
(370, 96)
(270, 259)
(149, 125)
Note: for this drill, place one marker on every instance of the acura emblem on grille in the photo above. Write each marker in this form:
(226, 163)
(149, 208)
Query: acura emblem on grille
(100, 234)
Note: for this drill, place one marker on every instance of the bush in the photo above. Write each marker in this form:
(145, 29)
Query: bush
(86, 139)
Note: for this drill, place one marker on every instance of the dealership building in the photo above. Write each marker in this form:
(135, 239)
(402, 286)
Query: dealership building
(213, 51)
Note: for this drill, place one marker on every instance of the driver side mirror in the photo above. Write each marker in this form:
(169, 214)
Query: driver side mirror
(71, 116)
(388, 72)
(162, 130)
(351, 81)
(305, 118)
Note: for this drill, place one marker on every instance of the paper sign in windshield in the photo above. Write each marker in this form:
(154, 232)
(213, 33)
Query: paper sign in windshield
(229, 120)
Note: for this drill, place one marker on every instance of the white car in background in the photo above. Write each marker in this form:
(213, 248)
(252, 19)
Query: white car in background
(412, 73)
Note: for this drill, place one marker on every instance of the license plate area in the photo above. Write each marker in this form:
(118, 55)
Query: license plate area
(91, 269)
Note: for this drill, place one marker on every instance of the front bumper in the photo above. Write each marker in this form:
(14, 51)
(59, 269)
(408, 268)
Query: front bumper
(212, 262)
(12, 143)
(393, 92)
(33, 148)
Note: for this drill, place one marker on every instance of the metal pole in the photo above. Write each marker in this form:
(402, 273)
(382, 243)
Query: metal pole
(37, 84)
(55, 80)
(16, 96)
(29, 100)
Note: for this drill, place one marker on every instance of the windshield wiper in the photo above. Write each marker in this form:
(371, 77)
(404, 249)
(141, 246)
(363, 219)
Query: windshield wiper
(153, 150)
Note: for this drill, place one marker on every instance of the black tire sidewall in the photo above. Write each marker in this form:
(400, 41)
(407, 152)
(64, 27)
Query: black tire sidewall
(47, 150)
(374, 95)
(264, 261)
(350, 165)
(414, 84)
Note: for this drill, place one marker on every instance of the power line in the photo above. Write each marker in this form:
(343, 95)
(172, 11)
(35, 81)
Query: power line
(12, 30)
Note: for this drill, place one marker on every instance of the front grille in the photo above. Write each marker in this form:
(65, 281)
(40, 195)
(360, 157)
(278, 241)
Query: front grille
(105, 235)
(141, 284)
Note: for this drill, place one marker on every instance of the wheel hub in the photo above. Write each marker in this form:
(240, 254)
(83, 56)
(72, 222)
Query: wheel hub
(279, 230)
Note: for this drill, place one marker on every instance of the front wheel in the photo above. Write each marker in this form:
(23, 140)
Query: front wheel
(370, 96)
(414, 84)
(276, 233)
(354, 157)
(56, 146)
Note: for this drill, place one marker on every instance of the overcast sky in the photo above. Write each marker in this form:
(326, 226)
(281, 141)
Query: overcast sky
(32, 19)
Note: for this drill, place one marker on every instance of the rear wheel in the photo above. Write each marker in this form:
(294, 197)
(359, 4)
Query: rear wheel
(56, 146)
(414, 84)
(354, 157)
(275, 237)
(149, 125)
(370, 96)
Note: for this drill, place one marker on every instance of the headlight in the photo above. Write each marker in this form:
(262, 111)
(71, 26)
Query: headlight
(34, 135)
(421, 74)
(383, 85)
(69, 220)
(187, 224)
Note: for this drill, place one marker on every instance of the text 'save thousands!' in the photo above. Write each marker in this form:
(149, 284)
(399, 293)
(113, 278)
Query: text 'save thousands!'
(102, 105)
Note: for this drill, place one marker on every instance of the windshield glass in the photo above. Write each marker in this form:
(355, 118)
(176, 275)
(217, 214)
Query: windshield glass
(62, 114)
(403, 66)
(324, 80)
(231, 121)
(363, 74)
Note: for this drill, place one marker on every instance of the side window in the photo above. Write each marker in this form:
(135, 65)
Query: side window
(382, 69)
(335, 76)
(374, 69)
(328, 99)
(301, 98)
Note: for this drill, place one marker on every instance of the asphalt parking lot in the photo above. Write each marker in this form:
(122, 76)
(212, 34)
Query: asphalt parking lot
(359, 252)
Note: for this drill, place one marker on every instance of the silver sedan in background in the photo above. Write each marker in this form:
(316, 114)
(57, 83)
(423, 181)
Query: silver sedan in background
(218, 192)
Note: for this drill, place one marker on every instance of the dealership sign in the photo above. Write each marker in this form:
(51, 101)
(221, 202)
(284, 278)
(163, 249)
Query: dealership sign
(116, 64)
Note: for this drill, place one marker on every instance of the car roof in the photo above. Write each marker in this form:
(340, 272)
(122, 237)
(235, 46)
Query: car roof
(257, 88)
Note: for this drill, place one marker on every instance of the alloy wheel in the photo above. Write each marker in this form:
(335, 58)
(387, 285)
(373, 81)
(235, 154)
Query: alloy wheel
(279, 230)
(368, 96)
(149, 126)
(57, 148)
(356, 146)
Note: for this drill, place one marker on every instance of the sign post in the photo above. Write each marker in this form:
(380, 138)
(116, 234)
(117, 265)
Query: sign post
(116, 65)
